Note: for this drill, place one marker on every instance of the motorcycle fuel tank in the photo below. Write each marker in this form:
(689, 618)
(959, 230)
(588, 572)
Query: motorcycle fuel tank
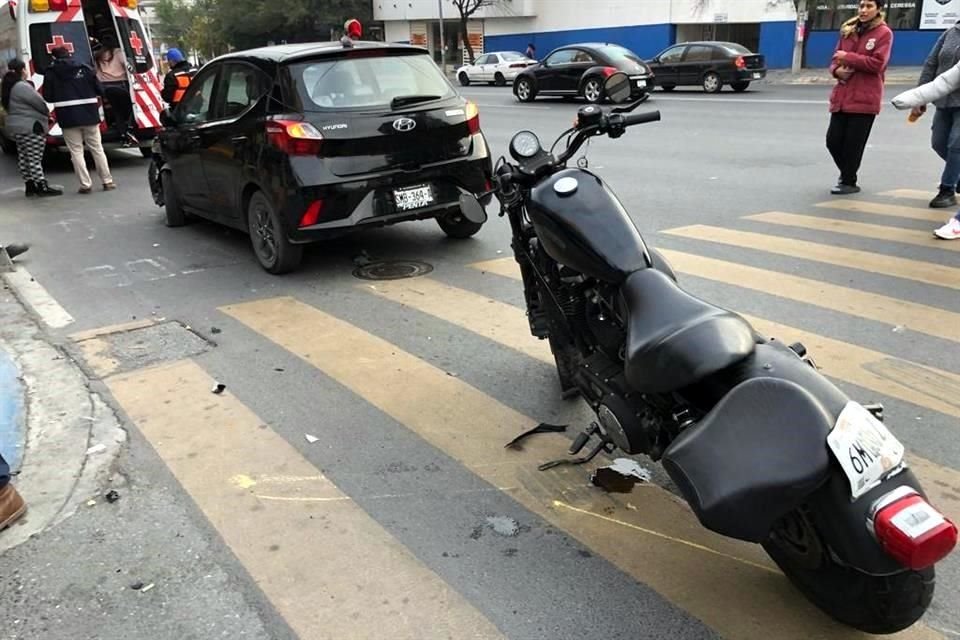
(582, 225)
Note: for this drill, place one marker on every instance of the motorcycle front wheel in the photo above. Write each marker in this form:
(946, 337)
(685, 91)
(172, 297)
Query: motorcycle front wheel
(874, 604)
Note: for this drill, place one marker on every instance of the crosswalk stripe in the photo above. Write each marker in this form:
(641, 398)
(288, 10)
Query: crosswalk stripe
(893, 210)
(927, 272)
(471, 427)
(859, 229)
(909, 194)
(893, 377)
(872, 306)
(328, 567)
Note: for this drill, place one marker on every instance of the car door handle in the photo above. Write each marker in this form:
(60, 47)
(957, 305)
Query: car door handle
(238, 139)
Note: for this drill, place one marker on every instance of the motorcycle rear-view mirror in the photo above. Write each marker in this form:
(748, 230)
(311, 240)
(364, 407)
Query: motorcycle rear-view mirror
(471, 208)
(617, 88)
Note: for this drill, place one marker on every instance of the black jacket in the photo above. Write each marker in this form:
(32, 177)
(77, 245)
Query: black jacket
(170, 80)
(73, 89)
(944, 55)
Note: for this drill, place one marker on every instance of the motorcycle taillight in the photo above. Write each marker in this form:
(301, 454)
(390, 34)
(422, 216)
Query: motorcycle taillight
(910, 530)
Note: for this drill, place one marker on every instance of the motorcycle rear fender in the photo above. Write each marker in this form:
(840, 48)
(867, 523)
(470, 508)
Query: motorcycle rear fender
(759, 454)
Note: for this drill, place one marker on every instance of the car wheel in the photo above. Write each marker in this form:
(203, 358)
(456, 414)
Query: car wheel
(464, 79)
(274, 251)
(456, 226)
(740, 87)
(593, 91)
(712, 83)
(176, 216)
(668, 87)
(499, 80)
(525, 91)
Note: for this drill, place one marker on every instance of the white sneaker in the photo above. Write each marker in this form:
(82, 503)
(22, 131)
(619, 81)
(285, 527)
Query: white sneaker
(949, 231)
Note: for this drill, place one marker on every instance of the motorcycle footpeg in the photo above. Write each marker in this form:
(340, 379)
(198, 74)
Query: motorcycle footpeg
(601, 446)
(581, 440)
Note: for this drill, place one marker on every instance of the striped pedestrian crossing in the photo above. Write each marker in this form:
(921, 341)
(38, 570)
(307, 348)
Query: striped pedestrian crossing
(230, 463)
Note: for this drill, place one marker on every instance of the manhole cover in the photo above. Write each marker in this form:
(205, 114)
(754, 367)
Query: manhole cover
(392, 270)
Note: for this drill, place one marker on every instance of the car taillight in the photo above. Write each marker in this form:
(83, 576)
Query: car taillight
(609, 71)
(740, 62)
(473, 118)
(910, 530)
(312, 214)
(293, 137)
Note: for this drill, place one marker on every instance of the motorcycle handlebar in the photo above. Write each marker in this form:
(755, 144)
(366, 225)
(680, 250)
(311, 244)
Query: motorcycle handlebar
(641, 118)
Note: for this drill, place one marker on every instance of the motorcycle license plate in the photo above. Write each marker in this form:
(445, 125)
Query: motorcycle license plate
(413, 198)
(864, 447)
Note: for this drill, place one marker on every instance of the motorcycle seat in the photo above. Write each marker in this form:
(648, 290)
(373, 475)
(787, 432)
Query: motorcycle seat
(674, 338)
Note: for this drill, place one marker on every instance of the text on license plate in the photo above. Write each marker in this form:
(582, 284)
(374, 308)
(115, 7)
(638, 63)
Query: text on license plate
(414, 198)
(641, 83)
(756, 76)
(864, 447)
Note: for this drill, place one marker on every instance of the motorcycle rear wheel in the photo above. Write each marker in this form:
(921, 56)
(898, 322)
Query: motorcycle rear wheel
(874, 604)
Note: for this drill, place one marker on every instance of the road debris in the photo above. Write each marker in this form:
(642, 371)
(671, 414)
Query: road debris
(504, 526)
(91, 503)
(218, 388)
(97, 448)
(112, 496)
(136, 586)
(311, 439)
(621, 476)
(543, 427)
(215, 330)
(147, 588)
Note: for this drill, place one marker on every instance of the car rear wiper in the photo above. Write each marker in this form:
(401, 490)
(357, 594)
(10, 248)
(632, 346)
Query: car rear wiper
(400, 101)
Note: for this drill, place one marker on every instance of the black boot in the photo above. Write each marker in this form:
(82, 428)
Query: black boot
(945, 198)
(44, 190)
(31, 189)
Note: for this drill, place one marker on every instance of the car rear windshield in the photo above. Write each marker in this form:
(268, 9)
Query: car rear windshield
(625, 59)
(367, 82)
(512, 56)
(736, 49)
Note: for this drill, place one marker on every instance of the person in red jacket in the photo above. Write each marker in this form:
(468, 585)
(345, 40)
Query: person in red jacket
(859, 65)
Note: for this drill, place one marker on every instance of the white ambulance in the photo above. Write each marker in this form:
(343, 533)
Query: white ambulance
(31, 29)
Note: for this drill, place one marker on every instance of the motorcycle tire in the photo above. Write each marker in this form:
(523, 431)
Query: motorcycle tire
(873, 604)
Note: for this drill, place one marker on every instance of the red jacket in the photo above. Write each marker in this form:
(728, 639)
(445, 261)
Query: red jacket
(868, 55)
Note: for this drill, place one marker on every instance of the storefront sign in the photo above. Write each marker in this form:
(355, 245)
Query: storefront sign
(939, 14)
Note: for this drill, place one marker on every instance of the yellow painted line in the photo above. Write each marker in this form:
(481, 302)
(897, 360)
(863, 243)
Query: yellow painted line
(859, 229)
(885, 375)
(932, 321)
(910, 194)
(926, 272)
(730, 594)
(489, 318)
(80, 336)
(329, 568)
(892, 210)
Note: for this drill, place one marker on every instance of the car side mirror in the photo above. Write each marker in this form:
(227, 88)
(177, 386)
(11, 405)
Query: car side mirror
(471, 208)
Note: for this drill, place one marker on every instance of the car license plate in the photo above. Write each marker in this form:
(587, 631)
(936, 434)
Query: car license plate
(413, 198)
(641, 83)
(756, 76)
(864, 447)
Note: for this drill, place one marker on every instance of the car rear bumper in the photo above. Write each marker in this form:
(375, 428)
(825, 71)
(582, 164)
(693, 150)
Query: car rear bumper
(369, 201)
(642, 84)
(748, 75)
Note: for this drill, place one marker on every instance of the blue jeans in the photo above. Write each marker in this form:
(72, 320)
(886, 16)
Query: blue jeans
(946, 142)
(4, 473)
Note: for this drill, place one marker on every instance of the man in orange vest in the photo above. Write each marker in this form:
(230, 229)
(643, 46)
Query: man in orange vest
(177, 80)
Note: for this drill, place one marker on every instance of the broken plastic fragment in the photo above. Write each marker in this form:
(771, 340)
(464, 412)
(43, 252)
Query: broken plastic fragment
(147, 588)
(218, 388)
(543, 427)
(136, 586)
(112, 496)
(97, 448)
(91, 503)
(621, 476)
(311, 439)
(215, 330)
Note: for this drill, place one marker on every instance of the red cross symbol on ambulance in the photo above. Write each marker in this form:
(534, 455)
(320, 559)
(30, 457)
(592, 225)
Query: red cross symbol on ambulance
(136, 43)
(58, 41)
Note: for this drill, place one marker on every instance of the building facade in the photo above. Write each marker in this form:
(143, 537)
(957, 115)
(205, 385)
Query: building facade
(770, 27)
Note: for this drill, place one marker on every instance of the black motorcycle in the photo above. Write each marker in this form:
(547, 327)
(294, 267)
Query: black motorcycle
(761, 445)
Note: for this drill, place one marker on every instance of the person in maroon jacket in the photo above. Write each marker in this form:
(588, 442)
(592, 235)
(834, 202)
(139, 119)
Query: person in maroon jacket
(859, 65)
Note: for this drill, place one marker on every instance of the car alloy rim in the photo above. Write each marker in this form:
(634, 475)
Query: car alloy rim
(266, 242)
(592, 91)
(523, 89)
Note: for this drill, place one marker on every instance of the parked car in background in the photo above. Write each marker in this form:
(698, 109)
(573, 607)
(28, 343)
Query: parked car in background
(708, 64)
(496, 68)
(303, 142)
(580, 70)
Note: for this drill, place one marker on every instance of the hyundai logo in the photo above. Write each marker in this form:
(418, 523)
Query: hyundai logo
(404, 124)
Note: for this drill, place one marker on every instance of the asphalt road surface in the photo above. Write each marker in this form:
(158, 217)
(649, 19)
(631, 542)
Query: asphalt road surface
(402, 515)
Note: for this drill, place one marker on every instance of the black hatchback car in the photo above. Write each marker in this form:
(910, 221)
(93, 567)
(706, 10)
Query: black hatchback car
(298, 143)
(579, 70)
(709, 65)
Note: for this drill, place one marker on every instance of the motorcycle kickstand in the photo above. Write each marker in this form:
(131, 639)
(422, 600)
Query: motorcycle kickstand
(577, 445)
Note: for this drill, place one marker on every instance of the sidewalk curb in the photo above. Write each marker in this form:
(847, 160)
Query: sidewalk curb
(64, 418)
